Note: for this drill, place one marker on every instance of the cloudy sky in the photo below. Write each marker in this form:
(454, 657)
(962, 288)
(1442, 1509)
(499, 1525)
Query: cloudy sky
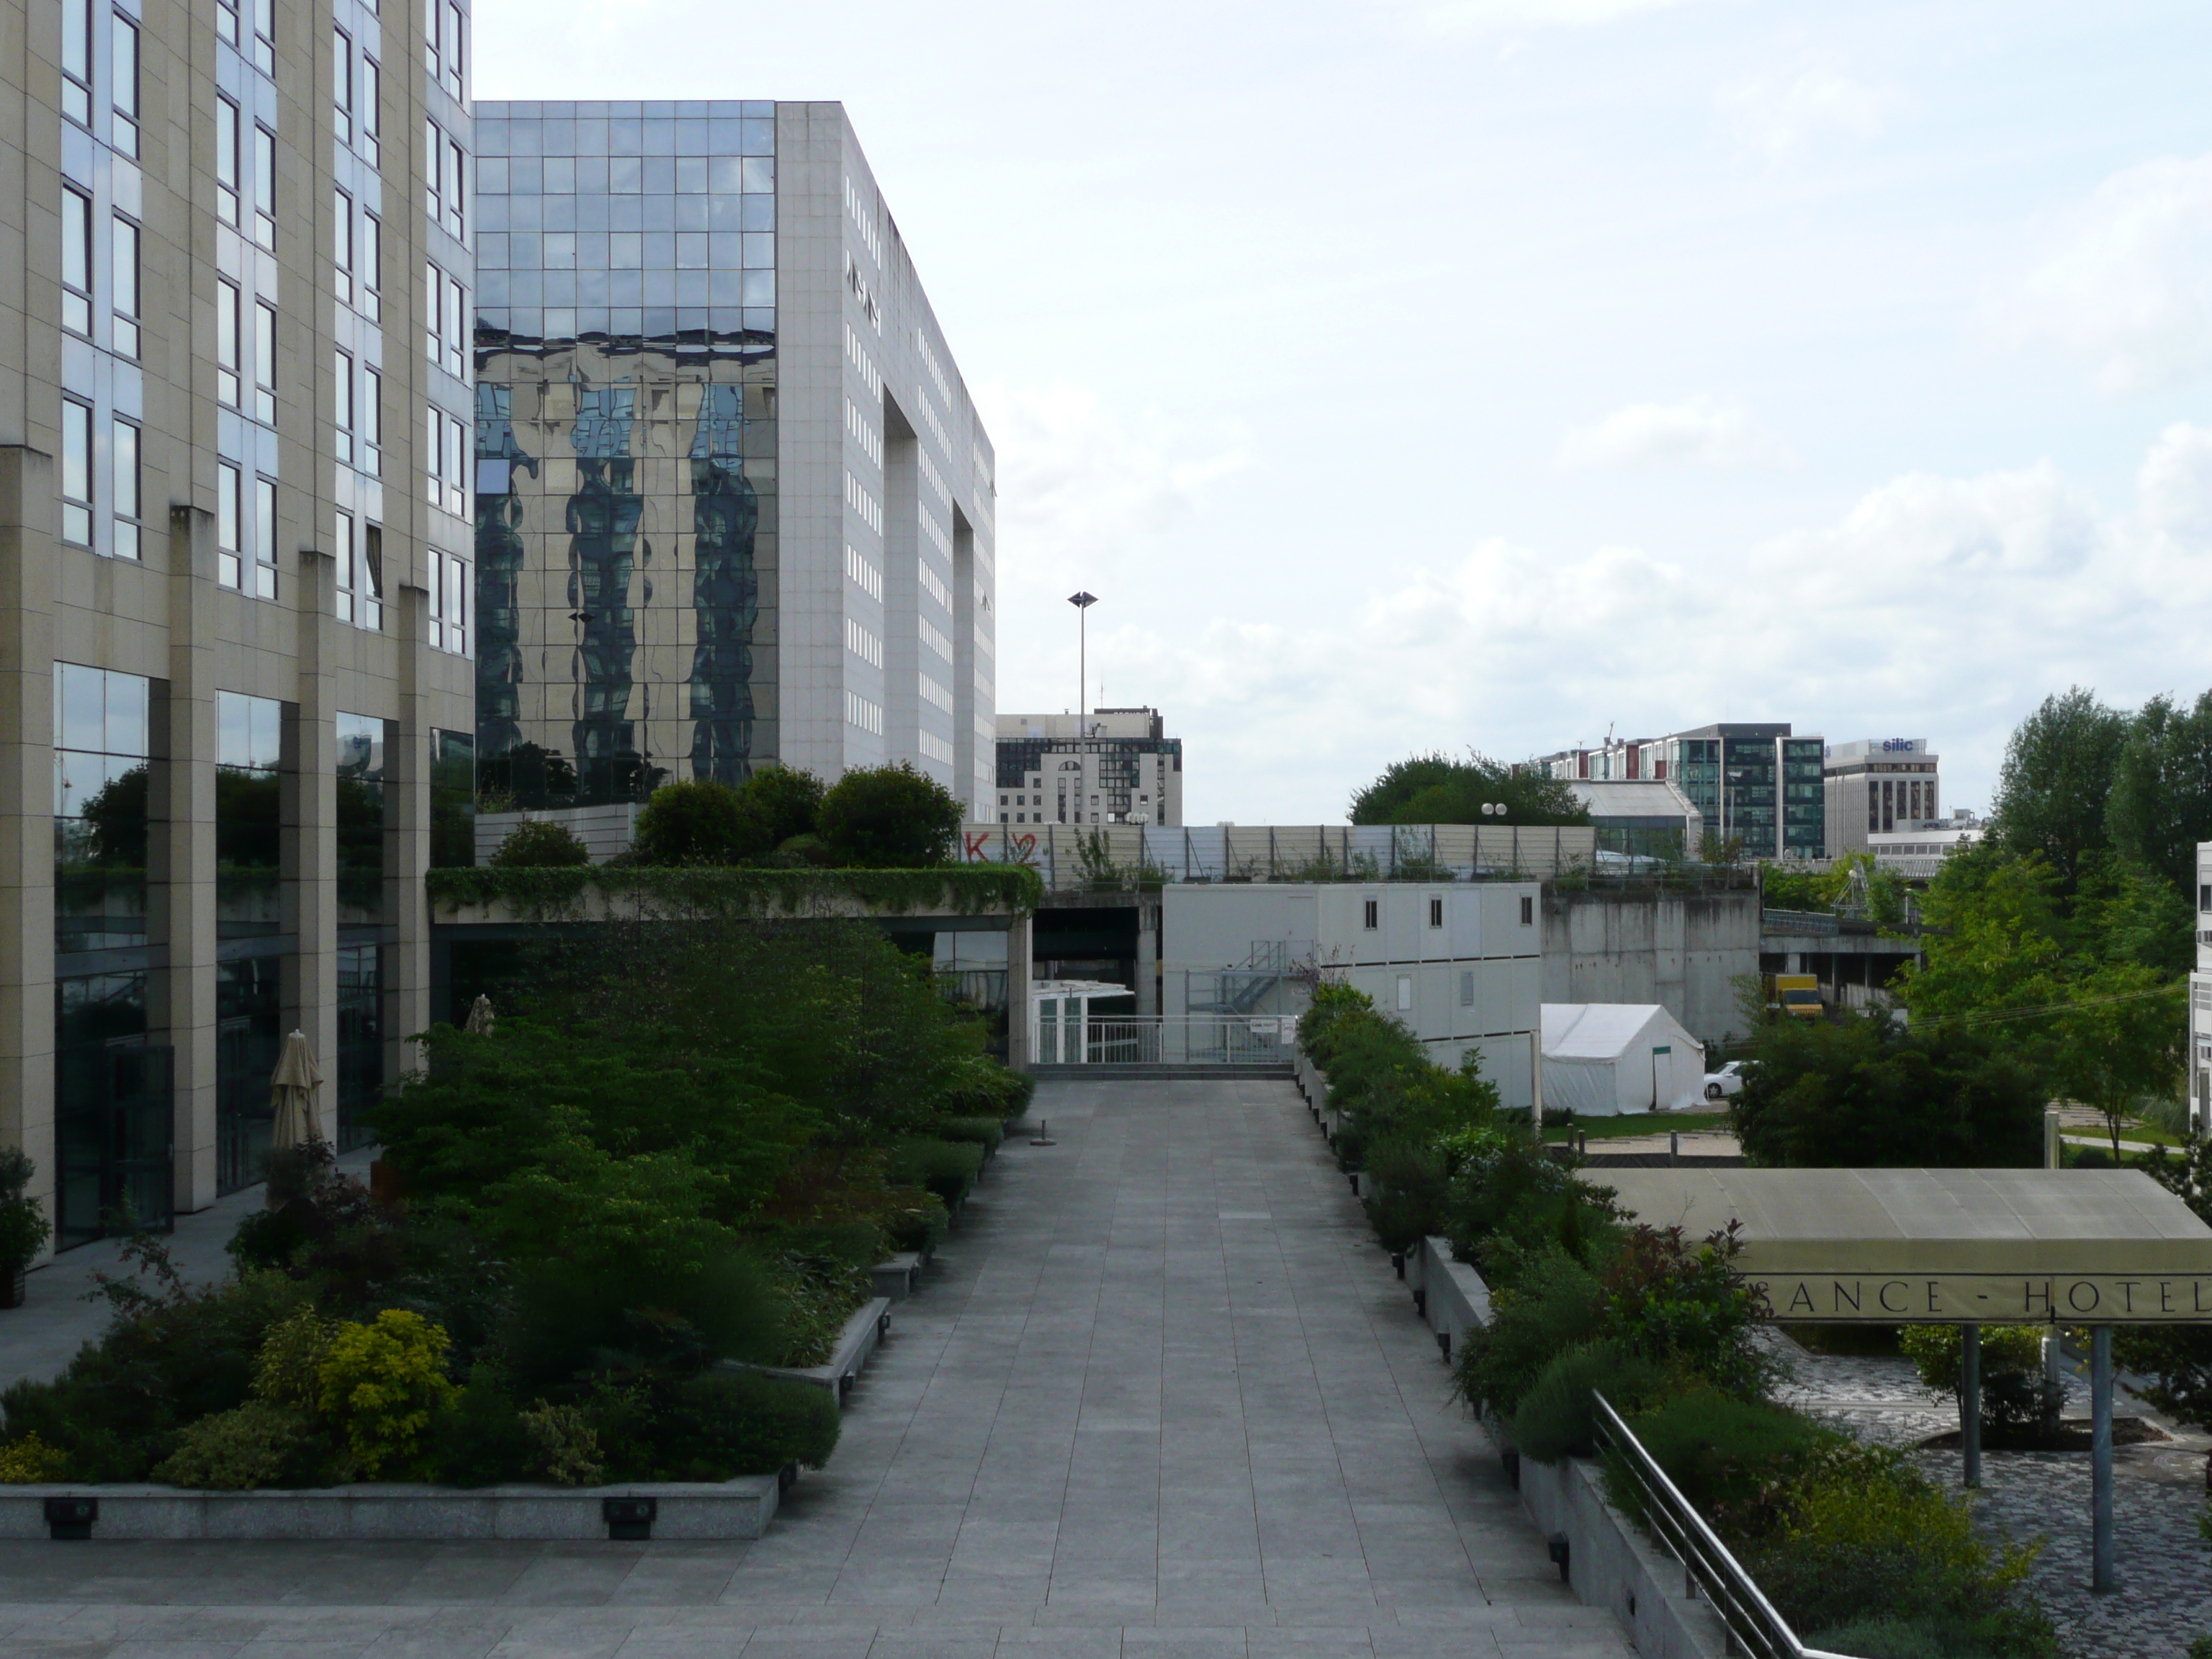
(1437, 373)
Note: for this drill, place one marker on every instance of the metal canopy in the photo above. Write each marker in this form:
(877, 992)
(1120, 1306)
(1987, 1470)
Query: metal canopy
(1947, 1246)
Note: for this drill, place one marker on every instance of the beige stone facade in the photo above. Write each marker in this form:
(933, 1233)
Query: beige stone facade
(272, 366)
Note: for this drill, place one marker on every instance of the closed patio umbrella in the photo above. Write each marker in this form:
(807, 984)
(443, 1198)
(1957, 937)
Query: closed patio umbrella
(480, 1017)
(292, 1092)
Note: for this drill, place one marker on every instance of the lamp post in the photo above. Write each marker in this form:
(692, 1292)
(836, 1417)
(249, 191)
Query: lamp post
(1082, 601)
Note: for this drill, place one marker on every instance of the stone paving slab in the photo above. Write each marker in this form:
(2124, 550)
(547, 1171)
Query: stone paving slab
(1162, 1397)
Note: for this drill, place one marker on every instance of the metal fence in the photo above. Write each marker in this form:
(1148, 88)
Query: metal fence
(1165, 1040)
(1072, 856)
(1708, 1569)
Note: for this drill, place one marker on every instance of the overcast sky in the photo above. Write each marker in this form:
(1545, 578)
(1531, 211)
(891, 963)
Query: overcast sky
(1492, 373)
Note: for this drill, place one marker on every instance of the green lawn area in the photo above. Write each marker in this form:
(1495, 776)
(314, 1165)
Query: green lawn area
(1639, 1124)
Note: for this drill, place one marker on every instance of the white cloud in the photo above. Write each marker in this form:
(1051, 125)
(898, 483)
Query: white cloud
(1943, 607)
(1778, 116)
(1700, 432)
(2122, 280)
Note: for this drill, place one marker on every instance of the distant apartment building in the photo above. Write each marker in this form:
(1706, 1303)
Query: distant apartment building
(1109, 766)
(1878, 787)
(734, 505)
(1756, 783)
(238, 714)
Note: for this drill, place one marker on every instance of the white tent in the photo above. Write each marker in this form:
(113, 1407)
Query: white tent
(1602, 1058)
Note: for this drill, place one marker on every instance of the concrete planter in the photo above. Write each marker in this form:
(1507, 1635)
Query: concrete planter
(863, 1331)
(896, 1277)
(1612, 1564)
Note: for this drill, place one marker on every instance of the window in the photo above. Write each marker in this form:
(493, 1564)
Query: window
(265, 187)
(366, 115)
(451, 40)
(226, 161)
(264, 362)
(434, 151)
(433, 313)
(226, 21)
(227, 523)
(343, 405)
(265, 36)
(264, 538)
(457, 485)
(1370, 917)
(76, 472)
(368, 269)
(76, 261)
(76, 61)
(457, 311)
(124, 450)
(125, 247)
(372, 421)
(341, 554)
(456, 193)
(1467, 989)
(226, 342)
(1528, 912)
(1405, 992)
(124, 72)
(1436, 911)
(342, 246)
(341, 86)
(360, 573)
(457, 606)
(433, 11)
(372, 574)
(434, 456)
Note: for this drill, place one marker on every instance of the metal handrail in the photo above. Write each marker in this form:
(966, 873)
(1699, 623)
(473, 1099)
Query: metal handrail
(1708, 1567)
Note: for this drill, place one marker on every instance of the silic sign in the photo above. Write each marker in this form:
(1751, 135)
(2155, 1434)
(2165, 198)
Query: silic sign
(1997, 1299)
(1903, 745)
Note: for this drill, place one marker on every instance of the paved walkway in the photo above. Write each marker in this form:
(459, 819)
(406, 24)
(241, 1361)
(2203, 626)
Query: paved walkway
(1162, 1397)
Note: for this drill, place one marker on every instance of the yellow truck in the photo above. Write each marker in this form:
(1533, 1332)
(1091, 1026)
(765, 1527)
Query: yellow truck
(1798, 994)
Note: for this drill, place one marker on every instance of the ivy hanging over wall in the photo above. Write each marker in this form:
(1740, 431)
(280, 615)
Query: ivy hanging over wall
(565, 894)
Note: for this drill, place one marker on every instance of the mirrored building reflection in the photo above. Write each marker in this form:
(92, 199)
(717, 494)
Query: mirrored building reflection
(734, 504)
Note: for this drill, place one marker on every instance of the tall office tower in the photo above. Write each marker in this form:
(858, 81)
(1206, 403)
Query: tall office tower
(230, 493)
(733, 503)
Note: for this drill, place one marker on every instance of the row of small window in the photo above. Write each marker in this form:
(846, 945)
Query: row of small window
(360, 571)
(932, 583)
(626, 175)
(230, 347)
(863, 574)
(937, 695)
(936, 426)
(860, 712)
(78, 485)
(445, 180)
(261, 47)
(77, 260)
(857, 498)
(934, 638)
(445, 321)
(934, 369)
(79, 28)
(230, 125)
(935, 479)
(631, 250)
(862, 644)
(1371, 909)
(865, 221)
(451, 588)
(933, 747)
(935, 534)
(871, 441)
(858, 355)
(357, 258)
(751, 291)
(444, 46)
(356, 98)
(250, 569)
(445, 467)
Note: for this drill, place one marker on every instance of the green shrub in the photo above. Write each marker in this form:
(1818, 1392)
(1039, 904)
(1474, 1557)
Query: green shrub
(985, 1131)
(918, 1224)
(888, 817)
(263, 1443)
(1410, 1194)
(819, 1293)
(1688, 1308)
(380, 1384)
(1552, 1304)
(713, 1426)
(946, 1168)
(480, 1439)
(564, 1444)
(2016, 1397)
(1728, 1457)
(1888, 1638)
(540, 844)
(697, 821)
(30, 1461)
(785, 799)
(572, 1320)
(24, 1229)
(1555, 1418)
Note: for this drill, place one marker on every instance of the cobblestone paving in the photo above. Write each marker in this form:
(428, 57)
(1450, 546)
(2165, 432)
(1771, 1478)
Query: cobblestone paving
(2159, 1491)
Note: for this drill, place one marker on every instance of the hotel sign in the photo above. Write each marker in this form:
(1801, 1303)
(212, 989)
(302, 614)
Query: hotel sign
(1947, 1299)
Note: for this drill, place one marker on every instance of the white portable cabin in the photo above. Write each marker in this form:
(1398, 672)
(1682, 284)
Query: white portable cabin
(1603, 1059)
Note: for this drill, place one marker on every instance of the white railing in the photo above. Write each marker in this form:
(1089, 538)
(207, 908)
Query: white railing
(1165, 1040)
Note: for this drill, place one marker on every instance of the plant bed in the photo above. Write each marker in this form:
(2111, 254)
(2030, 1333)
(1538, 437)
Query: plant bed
(863, 1332)
(2072, 1434)
(897, 1277)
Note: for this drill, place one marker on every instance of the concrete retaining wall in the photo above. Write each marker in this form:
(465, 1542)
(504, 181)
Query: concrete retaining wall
(1614, 1564)
(1678, 950)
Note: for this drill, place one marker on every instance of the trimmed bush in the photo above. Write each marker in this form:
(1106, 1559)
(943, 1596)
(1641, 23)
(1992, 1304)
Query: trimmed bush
(1555, 1304)
(946, 1168)
(697, 821)
(890, 817)
(1728, 1455)
(540, 844)
(984, 1131)
(263, 1443)
(1555, 1418)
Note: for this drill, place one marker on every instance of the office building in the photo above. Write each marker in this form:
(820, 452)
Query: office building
(1647, 818)
(237, 714)
(1107, 766)
(1878, 787)
(1756, 782)
(733, 503)
(2199, 1084)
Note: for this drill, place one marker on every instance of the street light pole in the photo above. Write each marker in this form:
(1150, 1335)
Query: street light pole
(1082, 601)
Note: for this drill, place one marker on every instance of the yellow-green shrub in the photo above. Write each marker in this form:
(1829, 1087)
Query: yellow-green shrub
(29, 1461)
(380, 1385)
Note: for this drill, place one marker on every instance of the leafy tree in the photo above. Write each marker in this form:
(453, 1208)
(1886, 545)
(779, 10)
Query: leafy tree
(2123, 1039)
(1854, 881)
(541, 844)
(2178, 1357)
(890, 817)
(2161, 805)
(1867, 1093)
(2055, 784)
(787, 799)
(698, 821)
(1435, 789)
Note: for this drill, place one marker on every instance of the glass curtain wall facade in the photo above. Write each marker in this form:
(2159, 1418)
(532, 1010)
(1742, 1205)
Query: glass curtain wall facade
(249, 838)
(363, 825)
(625, 448)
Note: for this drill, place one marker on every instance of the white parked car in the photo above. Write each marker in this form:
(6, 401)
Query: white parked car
(1729, 1080)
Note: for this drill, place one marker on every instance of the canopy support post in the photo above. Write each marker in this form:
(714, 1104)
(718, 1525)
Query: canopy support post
(2105, 1575)
(1970, 1403)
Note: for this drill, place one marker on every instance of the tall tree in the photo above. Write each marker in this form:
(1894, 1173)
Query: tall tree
(2161, 798)
(1436, 789)
(2056, 780)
